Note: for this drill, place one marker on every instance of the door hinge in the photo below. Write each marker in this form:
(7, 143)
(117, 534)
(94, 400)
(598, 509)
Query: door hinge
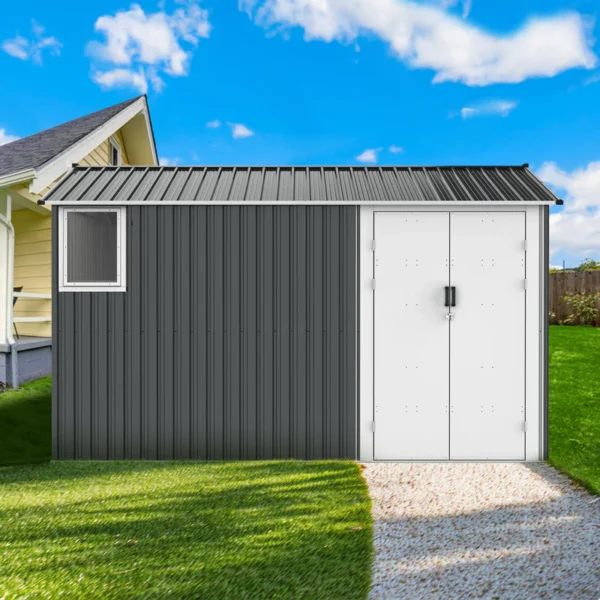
(525, 426)
(373, 283)
(525, 245)
(525, 284)
(373, 426)
(373, 245)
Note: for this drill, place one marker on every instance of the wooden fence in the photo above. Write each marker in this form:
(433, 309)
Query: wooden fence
(583, 282)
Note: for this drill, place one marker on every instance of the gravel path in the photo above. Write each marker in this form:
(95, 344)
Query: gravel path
(506, 531)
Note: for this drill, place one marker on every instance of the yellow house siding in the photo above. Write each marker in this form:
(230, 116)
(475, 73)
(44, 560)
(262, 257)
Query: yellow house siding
(100, 156)
(33, 269)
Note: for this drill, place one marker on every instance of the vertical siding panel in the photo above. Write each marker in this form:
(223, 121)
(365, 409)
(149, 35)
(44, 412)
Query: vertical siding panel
(116, 377)
(59, 383)
(267, 372)
(317, 300)
(166, 291)
(233, 307)
(68, 411)
(216, 368)
(250, 331)
(333, 328)
(350, 324)
(182, 285)
(301, 335)
(283, 338)
(133, 335)
(99, 375)
(83, 362)
(150, 338)
(200, 332)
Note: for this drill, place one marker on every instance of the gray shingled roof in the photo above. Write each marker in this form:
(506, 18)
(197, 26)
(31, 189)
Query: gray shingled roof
(302, 184)
(36, 150)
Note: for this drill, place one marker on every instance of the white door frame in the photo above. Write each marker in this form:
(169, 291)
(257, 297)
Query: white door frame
(534, 320)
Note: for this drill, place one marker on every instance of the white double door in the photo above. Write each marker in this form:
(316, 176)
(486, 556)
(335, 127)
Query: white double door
(449, 380)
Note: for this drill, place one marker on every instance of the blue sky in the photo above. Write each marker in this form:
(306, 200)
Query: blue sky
(330, 82)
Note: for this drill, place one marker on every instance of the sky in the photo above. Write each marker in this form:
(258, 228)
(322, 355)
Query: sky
(344, 82)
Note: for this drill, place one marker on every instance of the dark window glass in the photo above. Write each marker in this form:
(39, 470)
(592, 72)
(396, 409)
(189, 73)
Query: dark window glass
(92, 247)
(114, 155)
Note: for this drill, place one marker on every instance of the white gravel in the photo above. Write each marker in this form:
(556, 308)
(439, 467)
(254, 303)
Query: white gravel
(494, 530)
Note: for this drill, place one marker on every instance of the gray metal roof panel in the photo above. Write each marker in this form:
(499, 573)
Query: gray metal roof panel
(36, 150)
(302, 184)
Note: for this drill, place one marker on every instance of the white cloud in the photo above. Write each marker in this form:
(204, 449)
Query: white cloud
(369, 155)
(576, 229)
(427, 37)
(6, 138)
(214, 124)
(32, 49)
(396, 149)
(168, 162)
(494, 107)
(239, 131)
(126, 78)
(146, 45)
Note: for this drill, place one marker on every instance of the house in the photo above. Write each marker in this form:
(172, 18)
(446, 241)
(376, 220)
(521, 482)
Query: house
(29, 167)
(387, 313)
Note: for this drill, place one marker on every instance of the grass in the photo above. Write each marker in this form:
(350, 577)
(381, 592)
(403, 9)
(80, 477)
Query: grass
(574, 417)
(25, 423)
(282, 529)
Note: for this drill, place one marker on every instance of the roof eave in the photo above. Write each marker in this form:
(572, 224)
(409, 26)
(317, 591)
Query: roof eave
(113, 203)
(19, 177)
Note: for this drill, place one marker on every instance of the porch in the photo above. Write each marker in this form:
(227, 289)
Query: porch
(25, 289)
(27, 359)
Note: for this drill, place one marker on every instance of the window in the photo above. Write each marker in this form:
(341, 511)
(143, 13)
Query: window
(92, 249)
(115, 152)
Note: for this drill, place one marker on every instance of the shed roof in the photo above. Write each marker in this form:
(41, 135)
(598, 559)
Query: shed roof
(35, 150)
(339, 185)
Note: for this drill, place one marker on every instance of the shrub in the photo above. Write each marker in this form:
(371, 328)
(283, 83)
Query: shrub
(583, 306)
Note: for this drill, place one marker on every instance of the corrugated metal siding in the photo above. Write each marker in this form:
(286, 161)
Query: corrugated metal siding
(301, 184)
(237, 338)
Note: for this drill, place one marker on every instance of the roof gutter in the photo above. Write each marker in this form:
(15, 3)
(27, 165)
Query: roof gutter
(113, 203)
(18, 177)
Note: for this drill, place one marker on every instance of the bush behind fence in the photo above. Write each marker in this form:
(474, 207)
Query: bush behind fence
(568, 283)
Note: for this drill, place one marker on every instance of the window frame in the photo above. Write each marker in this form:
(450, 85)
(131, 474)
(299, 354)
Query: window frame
(113, 144)
(63, 251)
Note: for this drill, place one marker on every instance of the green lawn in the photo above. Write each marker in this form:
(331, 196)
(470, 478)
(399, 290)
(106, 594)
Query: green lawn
(575, 403)
(185, 530)
(25, 425)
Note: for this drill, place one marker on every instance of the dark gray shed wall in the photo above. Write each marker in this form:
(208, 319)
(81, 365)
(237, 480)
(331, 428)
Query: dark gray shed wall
(236, 338)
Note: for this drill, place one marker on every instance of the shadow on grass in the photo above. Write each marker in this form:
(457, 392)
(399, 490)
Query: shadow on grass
(202, 530)
(25, 423)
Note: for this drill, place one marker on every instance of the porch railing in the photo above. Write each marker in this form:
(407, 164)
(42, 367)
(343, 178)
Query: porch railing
(32, 296)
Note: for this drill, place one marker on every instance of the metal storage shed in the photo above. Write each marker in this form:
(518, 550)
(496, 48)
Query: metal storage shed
(300, 312)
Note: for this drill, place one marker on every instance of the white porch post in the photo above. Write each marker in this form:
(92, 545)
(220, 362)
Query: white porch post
(7, 244)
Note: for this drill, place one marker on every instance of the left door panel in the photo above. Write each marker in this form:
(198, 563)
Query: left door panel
(411, 360)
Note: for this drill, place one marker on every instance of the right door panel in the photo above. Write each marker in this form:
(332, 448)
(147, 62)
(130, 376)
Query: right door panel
(487, 336)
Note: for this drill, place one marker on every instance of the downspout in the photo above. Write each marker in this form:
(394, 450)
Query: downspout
(10, 252)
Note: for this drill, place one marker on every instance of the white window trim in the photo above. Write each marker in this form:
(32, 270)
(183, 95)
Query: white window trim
(114, 144)
(121, 284)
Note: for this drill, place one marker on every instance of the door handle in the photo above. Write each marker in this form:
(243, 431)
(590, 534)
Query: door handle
(450, 296)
